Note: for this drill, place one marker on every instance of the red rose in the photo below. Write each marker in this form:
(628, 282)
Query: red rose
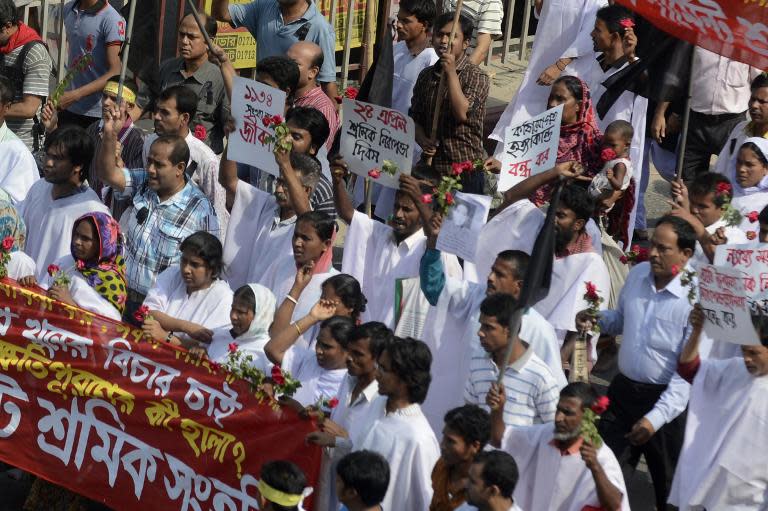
(374, 173)
(457, 168)
(200, 132)
(607, 154)
(723, 188)
(642, 255)
(634, 248)
(591, 288)
(623, 259)
(232, 348)
(277, 375)
(276, 119)
(448, 198)
(676, 269)
(751, 235)
(601, 405)
(214, 365)
(467, 166)
(752, 216)
(266, 121)
(426, 198)
(8, 243)
(141, 313)
(333, 403)
(627, 23)
(89, 43)
(351, 92)
(53, 269)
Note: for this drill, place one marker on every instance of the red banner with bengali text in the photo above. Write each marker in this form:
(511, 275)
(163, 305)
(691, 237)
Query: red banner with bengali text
(737, 29)
(88, 405)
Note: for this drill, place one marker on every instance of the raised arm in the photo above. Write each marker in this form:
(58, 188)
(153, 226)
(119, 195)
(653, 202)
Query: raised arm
(608, 494)
(228, 178)
(526, 187)
(459, 102)
(282, 341)
(296, 191)
(341, 200)
(108, 172)
(688, 363)
(284, 313)
(220, 11)
(228, 73)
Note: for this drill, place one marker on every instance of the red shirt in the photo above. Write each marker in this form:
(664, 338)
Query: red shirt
(317, 98)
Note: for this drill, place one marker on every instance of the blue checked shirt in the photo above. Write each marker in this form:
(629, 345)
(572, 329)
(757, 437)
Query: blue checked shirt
(153, 245)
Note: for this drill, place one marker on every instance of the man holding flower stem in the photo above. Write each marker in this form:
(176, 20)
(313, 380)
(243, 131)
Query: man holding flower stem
(560, 468)
(648, 399)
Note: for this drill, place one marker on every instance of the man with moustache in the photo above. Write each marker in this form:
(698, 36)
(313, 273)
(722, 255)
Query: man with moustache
(559, 469)
(648, 398)
(193, 70)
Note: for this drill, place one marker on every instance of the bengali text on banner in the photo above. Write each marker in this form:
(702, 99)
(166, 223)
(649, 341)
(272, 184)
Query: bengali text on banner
(89, 405)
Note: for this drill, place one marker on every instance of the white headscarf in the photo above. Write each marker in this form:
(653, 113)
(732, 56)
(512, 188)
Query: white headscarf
(264, 313)
(762, 186)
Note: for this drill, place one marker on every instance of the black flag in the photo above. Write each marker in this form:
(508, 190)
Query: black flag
(539, 275)
(377, 84)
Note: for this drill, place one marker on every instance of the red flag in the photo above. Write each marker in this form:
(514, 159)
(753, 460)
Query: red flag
(735, 29)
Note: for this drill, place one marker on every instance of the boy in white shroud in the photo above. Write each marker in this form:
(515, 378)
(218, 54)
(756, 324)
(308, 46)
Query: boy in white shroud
(723, 464)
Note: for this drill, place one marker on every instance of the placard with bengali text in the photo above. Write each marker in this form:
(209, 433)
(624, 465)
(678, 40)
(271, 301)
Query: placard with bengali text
(377, 142)
(252, 101)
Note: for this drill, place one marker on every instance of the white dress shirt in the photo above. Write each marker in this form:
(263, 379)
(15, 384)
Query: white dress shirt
(654, 325)
(722, 84)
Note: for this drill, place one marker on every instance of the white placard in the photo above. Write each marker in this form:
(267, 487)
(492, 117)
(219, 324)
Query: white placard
(723, 297)
(372, 135)
(530, 147)
(460, 231)
(752, 260)
(251, 103)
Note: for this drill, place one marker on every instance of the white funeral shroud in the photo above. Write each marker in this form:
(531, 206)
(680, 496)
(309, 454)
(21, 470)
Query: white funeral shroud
(49, 222)
(82, 293)
(279, 279)
(563, 31)
(450, 331)
(406, 441)
(372, 256)
(551, 481)
(207, 307)
(723, 463)
(566, 291)
(253, 241)
(514, 228)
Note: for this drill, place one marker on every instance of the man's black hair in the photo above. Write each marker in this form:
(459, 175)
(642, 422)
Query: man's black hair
(500, 470)
(284, 71)
(499, 306)
(366, 472)
(179, 148)
(706, 183)
(186, 99)
(312, 120)
(686, 235)
(447, 17)
(470, 422)
(411, 361)
(581, 391)
(377, 334)
(576, 198)
(75, 144)
(423, 10)
(8, 13)
(518, 259)
(286, 477)
(612, 15)
(7, 92)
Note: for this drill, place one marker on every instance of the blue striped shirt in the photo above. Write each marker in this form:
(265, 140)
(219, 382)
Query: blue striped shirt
(531, 388)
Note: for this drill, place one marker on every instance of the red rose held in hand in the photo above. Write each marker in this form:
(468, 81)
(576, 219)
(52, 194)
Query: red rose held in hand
(53, 269)
(141, 313)
(722, 188)
(627, 23)
(277, 119)
(232, 347)
(448, 198)
(426, 198)
(607, 154)
(277, 375)
(200, 132)
(753, 216)
(601, 405)
(8, 243)
(456, 169)
(333, 403)
(266, 120)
